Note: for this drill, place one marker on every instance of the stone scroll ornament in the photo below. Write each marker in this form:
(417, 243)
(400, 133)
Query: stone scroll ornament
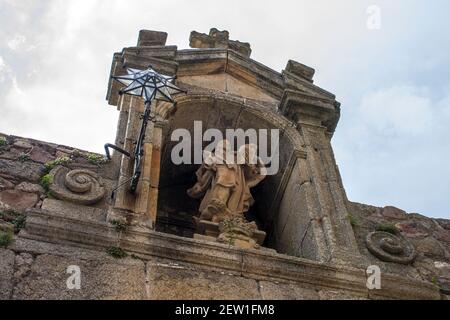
(80, 186)
(390, 248)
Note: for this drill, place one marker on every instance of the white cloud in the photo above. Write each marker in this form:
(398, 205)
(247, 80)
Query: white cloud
(17, 42)
(400, 110)
(395, 110)
(2, 69)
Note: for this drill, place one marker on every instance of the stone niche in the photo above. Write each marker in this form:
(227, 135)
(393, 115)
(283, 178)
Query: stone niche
(283, 201)
(302, 207)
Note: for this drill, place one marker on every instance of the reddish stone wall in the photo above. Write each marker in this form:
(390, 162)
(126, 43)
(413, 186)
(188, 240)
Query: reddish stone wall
(22, 165)
(430, 237)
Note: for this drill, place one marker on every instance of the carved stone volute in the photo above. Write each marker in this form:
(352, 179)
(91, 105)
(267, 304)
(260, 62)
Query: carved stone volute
(81, 186)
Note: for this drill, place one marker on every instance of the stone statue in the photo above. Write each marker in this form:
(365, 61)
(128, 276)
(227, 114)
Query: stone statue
(224, 181)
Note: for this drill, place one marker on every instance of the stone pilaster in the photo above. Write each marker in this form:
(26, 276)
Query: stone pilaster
(327, 200)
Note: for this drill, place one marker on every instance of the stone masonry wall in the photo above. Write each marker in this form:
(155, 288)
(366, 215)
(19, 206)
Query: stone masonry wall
(430, 237)
(31, 269)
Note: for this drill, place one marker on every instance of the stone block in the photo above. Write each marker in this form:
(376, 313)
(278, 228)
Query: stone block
(40, 155)
(6, 273)
(24, 171)
(286, 291)
(300, 70)
(444, 285)
(6, 227)
(394, 213)
(30, 187)
(151, 38)
(74, 211)
(175, 282)
(5, 184)
(100, 279)
(18, 200)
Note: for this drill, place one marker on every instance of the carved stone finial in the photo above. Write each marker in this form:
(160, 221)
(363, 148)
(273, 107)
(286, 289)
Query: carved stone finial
(150, 38)
(80, 186)
(238, 232)
(388, 247)
(218, 39)
(300, 70)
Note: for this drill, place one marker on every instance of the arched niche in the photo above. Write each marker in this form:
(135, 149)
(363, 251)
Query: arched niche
(277, 198)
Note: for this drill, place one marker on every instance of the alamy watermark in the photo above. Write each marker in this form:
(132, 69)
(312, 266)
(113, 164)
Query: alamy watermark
(73, 282)
(373, 277)
(373, 17)
(238, 146)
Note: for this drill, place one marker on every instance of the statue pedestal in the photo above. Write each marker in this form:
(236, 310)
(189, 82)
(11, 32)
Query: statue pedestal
(235, 232)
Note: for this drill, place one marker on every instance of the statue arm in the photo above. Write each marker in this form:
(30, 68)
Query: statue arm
(204, 179)
(256, 175)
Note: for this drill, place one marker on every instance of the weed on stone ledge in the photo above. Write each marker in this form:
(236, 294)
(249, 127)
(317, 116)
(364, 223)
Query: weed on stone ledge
(95, 158)
(116, 252)
(387, 227)
(119, 226)
(23, 157)
(5, 239)
(15, 218)
(45, 182)
(354, 222)
(3, 142)
(58, 161)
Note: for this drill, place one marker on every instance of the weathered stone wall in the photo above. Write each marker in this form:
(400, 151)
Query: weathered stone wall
(430, 238)
(38, 270)
(35, 266)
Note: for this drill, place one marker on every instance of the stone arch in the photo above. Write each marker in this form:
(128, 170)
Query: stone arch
(223, 111)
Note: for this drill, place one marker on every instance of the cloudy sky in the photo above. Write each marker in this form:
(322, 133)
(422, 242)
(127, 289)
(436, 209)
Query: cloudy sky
(392, 76)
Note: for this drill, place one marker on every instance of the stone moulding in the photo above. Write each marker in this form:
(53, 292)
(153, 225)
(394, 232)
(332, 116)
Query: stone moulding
(80, 186)
(390, 248)
(64, 226)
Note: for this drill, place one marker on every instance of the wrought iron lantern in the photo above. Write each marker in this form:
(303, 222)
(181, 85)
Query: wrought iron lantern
(150, 85)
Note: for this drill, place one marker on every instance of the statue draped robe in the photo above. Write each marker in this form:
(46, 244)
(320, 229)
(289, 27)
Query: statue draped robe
(225, 188)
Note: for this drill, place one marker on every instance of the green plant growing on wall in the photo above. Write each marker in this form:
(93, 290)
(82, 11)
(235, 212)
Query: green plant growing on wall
(354, 222)
(23, 157)
(119, 226)
(3, 142)
(58, 161)
(5, 239)
(435, 281)
(15, 218)
(95, 158)
(116, 252)
(387, 227)
(45, 182)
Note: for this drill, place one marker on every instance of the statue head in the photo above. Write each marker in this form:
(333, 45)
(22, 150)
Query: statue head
(223, 152)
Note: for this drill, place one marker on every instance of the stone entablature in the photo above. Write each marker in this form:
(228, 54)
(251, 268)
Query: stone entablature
(206, 62)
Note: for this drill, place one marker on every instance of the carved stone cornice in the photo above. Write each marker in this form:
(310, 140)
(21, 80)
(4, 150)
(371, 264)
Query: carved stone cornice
(309, 109)
(206, 61)
(73, 228)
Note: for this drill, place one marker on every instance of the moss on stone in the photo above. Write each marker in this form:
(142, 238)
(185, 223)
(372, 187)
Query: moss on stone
(58, 161)
(3, 142)
(95, 158)
(116, 252)
(119, 226)
(387, 227)
(23, 157)
(45, 182)
(353, 220)
(5, 239)
(15, 218)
